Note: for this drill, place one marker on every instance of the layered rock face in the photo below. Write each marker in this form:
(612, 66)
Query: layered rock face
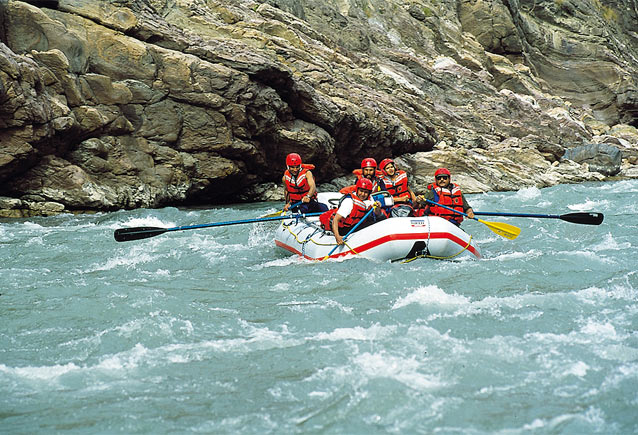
(145, 103)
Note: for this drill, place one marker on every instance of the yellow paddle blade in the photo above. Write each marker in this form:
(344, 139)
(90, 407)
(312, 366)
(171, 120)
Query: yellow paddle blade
(275, 214)
(502, 229)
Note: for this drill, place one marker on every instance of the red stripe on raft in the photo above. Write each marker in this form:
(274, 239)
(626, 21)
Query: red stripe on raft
(384, 239)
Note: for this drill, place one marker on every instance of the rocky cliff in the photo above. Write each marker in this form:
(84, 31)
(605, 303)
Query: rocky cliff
(145, 103)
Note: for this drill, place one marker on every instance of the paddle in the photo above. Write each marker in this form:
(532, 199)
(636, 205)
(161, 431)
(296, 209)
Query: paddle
(136, 233)
(575, 218)
(350, 232)
(277, 213)
(502, 229)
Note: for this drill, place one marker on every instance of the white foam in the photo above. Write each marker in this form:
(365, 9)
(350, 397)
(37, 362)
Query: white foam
(259, 235)
(528, 193)
(149, 221)
(128, 261)
(617, 352)
(625, 374)
(280, 262)
(374, 332)
(430, 295)
(541, 423)
(125, 360)
(601, 331)
(588, 205)
(283, 287)
(623, 186)
(592, 417)
(157, 273)
(43, 373)
(517, 255)
(404, 370)
(224, 310)
(589, 256)
(609, 243)
(32, 226)
(300, 306)
(33, 241)
(578, 369)
(320, 394)
(543, 204)
(596, 416)
(334, 304)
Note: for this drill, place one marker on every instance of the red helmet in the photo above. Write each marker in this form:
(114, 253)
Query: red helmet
(442, 171)
(293, 159)
(368, 162)
(364, 183)
(384, 163)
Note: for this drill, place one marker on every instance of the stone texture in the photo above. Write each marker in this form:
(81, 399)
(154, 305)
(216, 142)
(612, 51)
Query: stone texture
(600, 157)
(146, 103)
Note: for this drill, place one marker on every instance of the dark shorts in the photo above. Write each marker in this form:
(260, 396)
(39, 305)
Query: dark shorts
(310, 207)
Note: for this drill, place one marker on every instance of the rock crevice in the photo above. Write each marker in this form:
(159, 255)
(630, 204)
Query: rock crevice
(140, 103)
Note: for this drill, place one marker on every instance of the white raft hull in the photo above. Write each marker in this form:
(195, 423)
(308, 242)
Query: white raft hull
(393, 239)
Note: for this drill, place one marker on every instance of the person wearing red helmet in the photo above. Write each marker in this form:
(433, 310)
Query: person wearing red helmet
(300, 186)
(446, 193)
(352, 208)
(369, 171)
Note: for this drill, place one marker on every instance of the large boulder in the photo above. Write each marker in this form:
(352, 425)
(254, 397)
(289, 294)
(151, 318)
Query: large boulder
(600, 157)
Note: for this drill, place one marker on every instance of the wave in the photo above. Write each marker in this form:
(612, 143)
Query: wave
(430, 295)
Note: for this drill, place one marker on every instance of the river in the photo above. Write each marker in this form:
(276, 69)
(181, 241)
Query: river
(216, 330)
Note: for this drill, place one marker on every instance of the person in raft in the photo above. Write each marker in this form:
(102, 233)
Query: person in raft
(299, 186)
(368, 170)
(395, 182)
(444, 192)
(352, 208)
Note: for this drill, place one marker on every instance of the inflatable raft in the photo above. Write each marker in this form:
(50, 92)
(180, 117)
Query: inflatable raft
(392, 239)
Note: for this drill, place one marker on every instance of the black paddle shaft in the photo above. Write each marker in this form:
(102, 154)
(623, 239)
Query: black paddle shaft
(585, 218)
(137, 233)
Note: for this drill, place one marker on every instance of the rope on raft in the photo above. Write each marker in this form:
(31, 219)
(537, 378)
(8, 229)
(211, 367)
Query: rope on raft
(309, 239)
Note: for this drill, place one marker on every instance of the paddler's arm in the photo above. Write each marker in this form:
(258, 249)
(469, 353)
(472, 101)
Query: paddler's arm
(421, 199)
(400, 199)
(412, 196)
(377, 208)
(335, 228)
(286, 194)
(408, 198)
(313, 187)
(466, 208)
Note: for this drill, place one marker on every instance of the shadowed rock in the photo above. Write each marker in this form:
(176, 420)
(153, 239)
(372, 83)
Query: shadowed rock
(139, 103)
(600, 157)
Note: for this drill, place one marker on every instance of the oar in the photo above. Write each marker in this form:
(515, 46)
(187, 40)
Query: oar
(502, 229)
(136, 233)
(350, 232)
(277, 213)
(575, 218)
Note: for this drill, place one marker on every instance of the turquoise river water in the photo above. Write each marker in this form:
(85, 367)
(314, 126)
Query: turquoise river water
(218, 331)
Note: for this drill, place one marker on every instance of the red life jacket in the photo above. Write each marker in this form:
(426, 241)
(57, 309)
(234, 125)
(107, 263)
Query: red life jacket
(326, 219)
(359, 210)
(297, 187)
(450, 198)
(398, 187)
